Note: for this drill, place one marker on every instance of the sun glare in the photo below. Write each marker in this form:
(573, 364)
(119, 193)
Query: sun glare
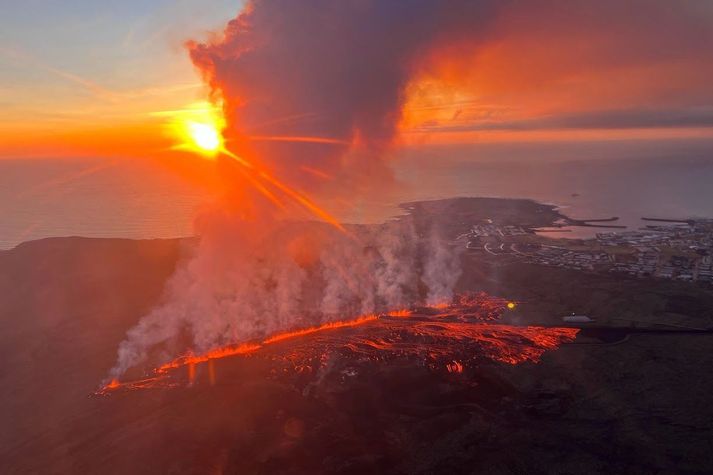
(196, 128)
(204, 136)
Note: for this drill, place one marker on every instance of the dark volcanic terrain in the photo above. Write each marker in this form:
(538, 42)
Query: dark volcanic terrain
(639, 406)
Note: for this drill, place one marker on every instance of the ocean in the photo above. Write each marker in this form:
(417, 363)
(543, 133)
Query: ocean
(93, 198)
(136, 199)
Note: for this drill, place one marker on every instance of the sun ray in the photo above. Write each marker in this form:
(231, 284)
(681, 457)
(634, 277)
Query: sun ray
(199, 129)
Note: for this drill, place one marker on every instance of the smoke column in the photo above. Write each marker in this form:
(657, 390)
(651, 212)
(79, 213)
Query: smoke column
(312, 91)
(328, 70)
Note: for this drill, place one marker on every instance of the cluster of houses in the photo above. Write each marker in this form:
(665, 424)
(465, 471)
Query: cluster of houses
(563, 257)
(488, 229)
(682, 251)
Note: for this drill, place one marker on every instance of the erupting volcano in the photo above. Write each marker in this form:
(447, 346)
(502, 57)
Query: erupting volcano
(282, 143)
(447, 337)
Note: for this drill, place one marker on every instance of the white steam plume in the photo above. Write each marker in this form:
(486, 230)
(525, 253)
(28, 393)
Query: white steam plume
(248, 280)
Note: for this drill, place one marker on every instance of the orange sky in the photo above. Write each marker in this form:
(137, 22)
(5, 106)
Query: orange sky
(583, 77)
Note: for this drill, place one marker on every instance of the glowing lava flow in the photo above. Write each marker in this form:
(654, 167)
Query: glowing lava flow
(403, 313)
(326, 326)
(223, 352)
(246, 348)
(233, 350)
(445, 336)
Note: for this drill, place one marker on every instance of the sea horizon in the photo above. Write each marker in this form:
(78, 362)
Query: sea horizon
(128, 199)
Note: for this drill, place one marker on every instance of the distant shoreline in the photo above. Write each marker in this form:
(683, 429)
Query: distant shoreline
(538, 216)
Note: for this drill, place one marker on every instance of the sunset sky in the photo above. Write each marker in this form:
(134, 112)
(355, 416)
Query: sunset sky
(80, 78)
(83, 77)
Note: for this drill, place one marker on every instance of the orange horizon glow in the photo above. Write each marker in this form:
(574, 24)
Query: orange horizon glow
(453, 105)
(197, 130)
(172, 133)
(297, 139)
(484, 90)
(148, 140)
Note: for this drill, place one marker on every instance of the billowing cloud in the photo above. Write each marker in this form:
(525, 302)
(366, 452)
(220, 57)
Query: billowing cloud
(330, 71)
(557, 64)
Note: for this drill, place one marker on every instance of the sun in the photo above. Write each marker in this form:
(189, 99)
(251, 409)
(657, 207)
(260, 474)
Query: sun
(205, 136)
(196, 128)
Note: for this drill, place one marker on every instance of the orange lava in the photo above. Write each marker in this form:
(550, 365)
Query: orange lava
(242, 349)
(451, 336)
(326, 326)
(403, 313)
(223, 352)
(454, 367)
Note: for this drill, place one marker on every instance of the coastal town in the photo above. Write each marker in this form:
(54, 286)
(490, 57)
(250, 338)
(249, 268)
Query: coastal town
(667, 249)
